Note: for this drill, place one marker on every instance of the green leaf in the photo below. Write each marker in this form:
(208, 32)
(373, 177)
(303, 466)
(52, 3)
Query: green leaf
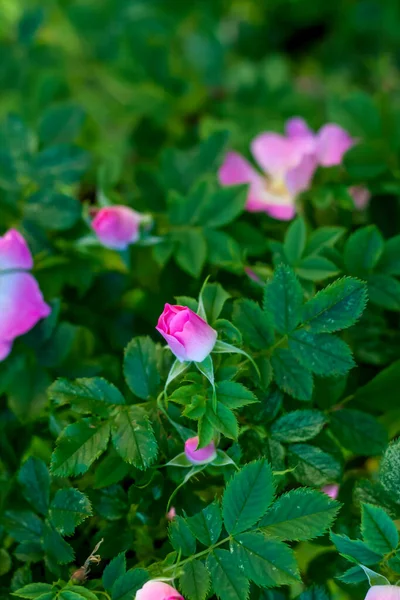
(228, 581)
(234, 395)
(295, 240)
(389, 472)
(312, 466)
(390, 259)
(60, 164)
(247, 496)
(82, 592)
(33, 590)
(336, 307)
(206, 526)
(323, 237)
(381, 391)
(300, 515)
(52, 210)
(316, 268)
(191, 253)
(223, 250)
(214, 298)
(128, 584)
(58, 549)
(298, 426)
(255, 325)
(115, 569)
(363, 250)
(355, 549)
(266, 562)
(34, 480)
(366, 160)
(94, 395)
(283, 299)
(133, 437)
(223, 419)
(290, 375)
(23, 525)
(69, 508)
(378, 530)
(78, 446)
(359, 432)
(60, 124)
(222, 207)
(181, 537)
(384, 291)
(140, 367)
(195, 580)
(321, 353)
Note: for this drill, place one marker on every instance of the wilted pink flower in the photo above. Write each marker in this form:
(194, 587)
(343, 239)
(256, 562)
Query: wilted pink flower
(171, 514)
(21, 301)
(361, 196)
(383, 592)
(117, 226)
(331, 490)
(188, 335)
(158, 590)
(203, 455)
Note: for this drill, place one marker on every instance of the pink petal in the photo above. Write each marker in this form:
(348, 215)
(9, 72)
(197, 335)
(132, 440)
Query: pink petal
(14, 251)
(176, 347)
(117, 226)
(203, 455)
(5, 349)
(274, 153)
(236, 170)
(21, 305)
(297, 127)
(158, 590)
(332, 143)
(331, 490)
(279, 207)
(383, 592)
(299, 178)
(198, 338)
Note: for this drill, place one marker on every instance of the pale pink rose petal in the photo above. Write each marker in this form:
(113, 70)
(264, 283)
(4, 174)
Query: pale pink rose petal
(279, 207)
(275, 154)
(299, 178)
(332, 144)
(117, 226)
(331, 490)
(171, 514)
(202, 456)
(5, 349)
(14, 251)
(383, 592)
(158, 590)
(361, 196)
(282, 212)
(21, 305)
(236, 170)
(297, 127)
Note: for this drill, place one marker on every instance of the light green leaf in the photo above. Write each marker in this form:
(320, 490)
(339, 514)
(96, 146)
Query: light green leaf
(206, 526)
(234, 395)
(33, 590)
(61, 164)
(298, 425)
(359, 432)
(363, 250)
(321, 353)
(295, 240)
(283, 299)
(195, 580)
(223, 419)
(228, 581)
(312, 466)
(68, 509)
(133, 437)
(82, 592)
(140, 367)
(214, 298)
(300, 515)
(94, 395)
(247, 496)
(34, 480)
(115, 569)
(290, 375)
(378, 530)
(356, 549)
(181, 537)
(191, 253)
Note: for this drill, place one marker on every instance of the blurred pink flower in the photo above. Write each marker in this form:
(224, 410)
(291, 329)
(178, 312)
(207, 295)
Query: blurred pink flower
(383, 592)
(21, 301)
(117, 226)
(158, 590)
(202, 456)
(331, 490)
(361, 196)
(171, 514)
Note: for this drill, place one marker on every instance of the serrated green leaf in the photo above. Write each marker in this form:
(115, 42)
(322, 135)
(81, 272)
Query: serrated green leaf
(255, 325)
(359, 432)
(298, 426)
(247, 496)
(128, 584)
(266, 562)
(353, 575)
(363, 250)
(312, 466)
(133, 437)
(384, 290)
(82, 592)
(214, 298)
(356, 549)
(58, 549)
(295, 241)
(223, 420)
(234, 395)
(23, 525)
(283, 299)
(228, 581)
(78, 446)
(33, 590)
(321, 353)
(191, 252)
(378, 530)
(389, 472)
(290, 376)
(115, 569)
(86, 395)
(336, 307)
(140, 367)
(34, 480)
(206, 526)
(195, 580)
(68, 509)
(300, 515)
(181, 537)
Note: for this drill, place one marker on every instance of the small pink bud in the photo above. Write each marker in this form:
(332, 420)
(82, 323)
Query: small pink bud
(331, 490)
(117, 226)
(361, 196)
(158, 590)
(171, 514)
(189, 337)
(202, 456)
(383, 592)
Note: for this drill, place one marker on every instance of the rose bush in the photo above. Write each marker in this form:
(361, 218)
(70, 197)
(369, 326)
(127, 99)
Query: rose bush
(199, 300)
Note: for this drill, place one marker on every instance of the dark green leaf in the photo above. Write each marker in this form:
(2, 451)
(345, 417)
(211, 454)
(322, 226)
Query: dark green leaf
(255, 325)
(207, 524)
(290, 376)
(228, 581)
(321, 353)
(133, 437)
(356, 549)
(223, 419)
(298, 426)
(283, 299)
(214, 298)
(378, 530)
(54, 545)
(115, 569)
(52, 210)
(234, 395)
(61, 164)
(181, 537)
(359, 432)
(295, 241)
(363, 250)
(384, 291)
(128, 584)
(195, 580)
(192, 250)
(60, 124)
(34, 479)
(34, 590)
(389, 473)
(140, 367)
(68, 509)
(312, 466)
(316, 268)
(95, 395)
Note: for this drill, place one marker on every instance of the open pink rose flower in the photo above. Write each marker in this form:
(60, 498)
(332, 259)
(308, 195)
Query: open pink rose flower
(158, 590)
(383, 592)
(200, 456)
(189, 337)
(117, 226)
(21, 301)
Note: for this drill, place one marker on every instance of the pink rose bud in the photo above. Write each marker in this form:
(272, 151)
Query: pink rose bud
(331, 490)
(189, 337)
(21, 301)
(361, 196)
(171, 514)
(158, 590)
(202, 456)
(383, 592)
(117, 226)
